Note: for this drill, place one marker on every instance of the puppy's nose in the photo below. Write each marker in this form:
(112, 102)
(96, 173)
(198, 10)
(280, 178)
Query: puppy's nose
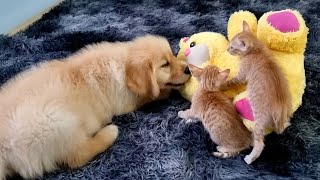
(186, 70)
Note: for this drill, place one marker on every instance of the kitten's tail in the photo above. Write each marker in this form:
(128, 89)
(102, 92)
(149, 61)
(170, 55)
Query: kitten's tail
(281, 117)
(3, 173)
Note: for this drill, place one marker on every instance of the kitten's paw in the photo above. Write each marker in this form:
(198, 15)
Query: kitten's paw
(248, 159)
(221, 154)
(188, 121)
(287, 125)
(220, 148)
(182, 114)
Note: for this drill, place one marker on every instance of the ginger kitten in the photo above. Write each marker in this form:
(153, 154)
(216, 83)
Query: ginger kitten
(217, 113)
(267, 87)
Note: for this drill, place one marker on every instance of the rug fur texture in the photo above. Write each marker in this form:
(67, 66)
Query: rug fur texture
(153, 142)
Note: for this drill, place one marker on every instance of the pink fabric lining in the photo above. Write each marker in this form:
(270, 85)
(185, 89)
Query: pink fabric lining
(244, 109)
(284, 21)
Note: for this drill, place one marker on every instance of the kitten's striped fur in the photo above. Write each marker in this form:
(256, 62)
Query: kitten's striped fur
(267, 87)
(216, 112)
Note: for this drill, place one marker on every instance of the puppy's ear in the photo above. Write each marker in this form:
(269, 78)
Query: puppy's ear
(141, 78)
(195, 71)
(245, 27)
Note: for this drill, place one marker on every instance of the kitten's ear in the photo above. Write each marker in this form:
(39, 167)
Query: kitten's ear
(245, 27)
(223, 75)
(195, 71)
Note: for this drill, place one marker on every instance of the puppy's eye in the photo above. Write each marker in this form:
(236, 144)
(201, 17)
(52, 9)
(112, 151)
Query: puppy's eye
(166, 64)
(192, 44)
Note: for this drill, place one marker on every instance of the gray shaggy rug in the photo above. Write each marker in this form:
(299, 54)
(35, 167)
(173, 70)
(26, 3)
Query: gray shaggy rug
(153, 143)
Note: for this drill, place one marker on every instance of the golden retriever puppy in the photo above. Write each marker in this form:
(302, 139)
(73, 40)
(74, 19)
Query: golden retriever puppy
(58, 112)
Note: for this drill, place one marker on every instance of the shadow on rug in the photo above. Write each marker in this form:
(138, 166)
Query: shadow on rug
(153, 143)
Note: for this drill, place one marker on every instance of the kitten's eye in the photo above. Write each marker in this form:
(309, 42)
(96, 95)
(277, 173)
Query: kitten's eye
(192, 44)
(165, 65)
(243, 43)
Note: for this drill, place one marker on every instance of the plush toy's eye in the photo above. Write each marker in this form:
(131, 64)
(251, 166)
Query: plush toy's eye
(192, 44)
(165, 64)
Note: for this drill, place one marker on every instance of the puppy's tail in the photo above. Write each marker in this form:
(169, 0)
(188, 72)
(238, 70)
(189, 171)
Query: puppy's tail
(281, 117)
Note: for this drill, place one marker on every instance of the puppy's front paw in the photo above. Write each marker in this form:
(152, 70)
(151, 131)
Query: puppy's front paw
(110, 133)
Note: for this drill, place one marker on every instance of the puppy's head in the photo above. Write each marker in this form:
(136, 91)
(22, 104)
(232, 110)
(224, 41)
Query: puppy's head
(152, 67)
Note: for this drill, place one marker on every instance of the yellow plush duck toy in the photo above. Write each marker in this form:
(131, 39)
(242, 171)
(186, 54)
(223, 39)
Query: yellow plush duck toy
(285, 33)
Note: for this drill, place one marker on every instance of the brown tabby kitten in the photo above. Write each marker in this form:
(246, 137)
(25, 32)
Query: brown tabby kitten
(267, 87)
(216, 112)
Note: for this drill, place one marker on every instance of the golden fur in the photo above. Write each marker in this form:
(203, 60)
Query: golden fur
(58, 112)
